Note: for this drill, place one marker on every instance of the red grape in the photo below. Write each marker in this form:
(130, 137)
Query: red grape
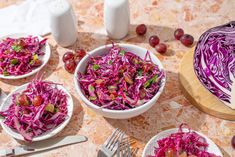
(81, 53)
(178, 33)
(23, 100)
(161, 48)
(37, 100)
(233, 142)
(70, 66)
(77, 59)
(68, 56)
(141, 29)
(154, 40)
(187, 40)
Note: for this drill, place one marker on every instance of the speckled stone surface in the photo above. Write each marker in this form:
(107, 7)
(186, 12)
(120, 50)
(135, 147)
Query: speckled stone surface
(172, 108)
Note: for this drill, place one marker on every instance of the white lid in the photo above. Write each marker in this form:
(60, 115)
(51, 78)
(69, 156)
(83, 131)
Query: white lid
(59, 7)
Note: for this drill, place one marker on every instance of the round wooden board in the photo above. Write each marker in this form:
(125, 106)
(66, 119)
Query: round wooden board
(198, 95)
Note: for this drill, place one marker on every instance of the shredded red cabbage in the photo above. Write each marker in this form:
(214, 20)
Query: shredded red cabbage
(120, 80)
(214, 60)
(30, 120)
(183, 144)
(20, 56)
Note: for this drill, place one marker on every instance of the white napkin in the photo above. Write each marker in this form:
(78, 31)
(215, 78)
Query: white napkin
(31, 17)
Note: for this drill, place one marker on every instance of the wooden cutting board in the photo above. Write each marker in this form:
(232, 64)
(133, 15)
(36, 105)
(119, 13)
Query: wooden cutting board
(197, 94)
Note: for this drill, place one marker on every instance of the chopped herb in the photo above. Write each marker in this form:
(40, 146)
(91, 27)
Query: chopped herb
(14, 61)
(91, 88)
(56, 109)
(16, 48)
(140, 72)
(149, 82)
(146, 84)
(110, 62)
(122, 52)
(96, 67)
(5, 73)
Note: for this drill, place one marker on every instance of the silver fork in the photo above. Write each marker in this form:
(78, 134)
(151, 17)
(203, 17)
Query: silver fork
(125, 149)
(111, 145)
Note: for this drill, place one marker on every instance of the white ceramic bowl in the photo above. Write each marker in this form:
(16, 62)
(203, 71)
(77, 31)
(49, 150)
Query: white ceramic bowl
(45, 135)
(45, 58)
(149, 148)
(118, 114)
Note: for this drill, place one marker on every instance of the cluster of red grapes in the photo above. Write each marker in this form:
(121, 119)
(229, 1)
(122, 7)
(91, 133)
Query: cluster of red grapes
(185, 39)
(71, 59)
(154, 40)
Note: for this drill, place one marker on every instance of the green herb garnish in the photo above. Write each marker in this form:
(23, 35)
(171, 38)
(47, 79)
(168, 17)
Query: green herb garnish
(16, 48)
(150, 81)
(14, 61)
(96, 67)
(140, 72)
(5, 73)
(91, 88)
(110, 62)
(56, 109)
(122, 52)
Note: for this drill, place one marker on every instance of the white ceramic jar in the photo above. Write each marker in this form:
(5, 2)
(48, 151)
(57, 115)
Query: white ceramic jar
(63, 22)
(116, 18)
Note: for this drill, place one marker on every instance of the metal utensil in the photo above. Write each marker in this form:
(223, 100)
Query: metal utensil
(111, 145)
(125, 149)
(43, 145)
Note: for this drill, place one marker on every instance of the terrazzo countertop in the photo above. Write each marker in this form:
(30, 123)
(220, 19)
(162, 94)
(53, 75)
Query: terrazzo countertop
(172, 108)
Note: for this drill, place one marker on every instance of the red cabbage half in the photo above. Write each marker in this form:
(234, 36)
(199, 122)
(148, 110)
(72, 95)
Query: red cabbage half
(214, 61)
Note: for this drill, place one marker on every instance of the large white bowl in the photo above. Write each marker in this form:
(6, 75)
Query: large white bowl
(118, 114)
(45, 58)
(152, 144)
(7, 102)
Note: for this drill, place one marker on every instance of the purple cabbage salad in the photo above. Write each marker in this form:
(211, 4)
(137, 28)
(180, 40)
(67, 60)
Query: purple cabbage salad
(214, 60)
(20, 56)
(40, 108)
(183, 144)
(120, 80)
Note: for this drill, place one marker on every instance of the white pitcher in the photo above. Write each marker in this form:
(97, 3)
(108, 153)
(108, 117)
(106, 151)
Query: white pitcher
(116, 18)
(63, 22)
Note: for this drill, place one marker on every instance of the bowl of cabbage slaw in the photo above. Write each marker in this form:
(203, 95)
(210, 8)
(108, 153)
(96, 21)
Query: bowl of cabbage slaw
(119, 81)
(182, 142)
(36, 111)
(22, 55)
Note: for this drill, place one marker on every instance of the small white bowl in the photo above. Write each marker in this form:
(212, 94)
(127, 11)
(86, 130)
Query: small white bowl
(118, 114)
(150, 146)
(46, 135)
(45, 58)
